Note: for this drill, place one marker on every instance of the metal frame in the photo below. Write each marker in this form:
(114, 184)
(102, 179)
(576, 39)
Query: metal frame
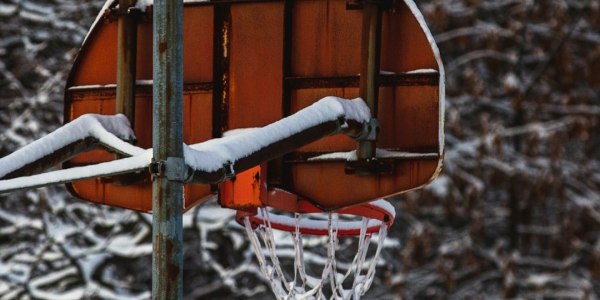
(167, 194)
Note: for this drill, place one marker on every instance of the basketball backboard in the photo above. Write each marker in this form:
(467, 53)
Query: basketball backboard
(251, 63)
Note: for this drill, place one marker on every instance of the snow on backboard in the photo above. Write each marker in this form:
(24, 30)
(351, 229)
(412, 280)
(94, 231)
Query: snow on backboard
(250, 64)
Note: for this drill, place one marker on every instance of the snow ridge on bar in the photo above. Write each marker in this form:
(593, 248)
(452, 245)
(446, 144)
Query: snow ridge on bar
(108, 130)
(208, 156)
(212, 155)
(111, 168)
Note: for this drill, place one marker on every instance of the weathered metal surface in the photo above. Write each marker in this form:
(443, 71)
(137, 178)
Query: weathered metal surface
(279, 148)
(369, 76)
(221, 61)
(167, 131)
(282, 56)
(55, 158)
(126, 59)
(385, 80)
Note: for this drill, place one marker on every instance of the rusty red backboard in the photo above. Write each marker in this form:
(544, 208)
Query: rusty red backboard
(249, 63)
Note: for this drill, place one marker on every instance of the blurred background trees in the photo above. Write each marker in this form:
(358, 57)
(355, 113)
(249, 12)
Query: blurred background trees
(516, 212)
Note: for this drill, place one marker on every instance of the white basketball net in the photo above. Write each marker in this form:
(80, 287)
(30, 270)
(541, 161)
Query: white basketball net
(352, 283)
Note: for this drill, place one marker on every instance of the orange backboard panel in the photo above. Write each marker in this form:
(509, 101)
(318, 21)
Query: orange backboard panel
(250, 63)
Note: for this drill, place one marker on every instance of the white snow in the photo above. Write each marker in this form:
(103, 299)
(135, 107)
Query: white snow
(385, 205)
(442, 87)
(54, 277)
(7, 9)
(238, 131)
(422, 71)
(111, 168)
(323, 224)
(143, 4)
(380, 153)
(130, 246)
(98, 18)
(440, 186)
(511, 81)
(208, 156)
(212, 155)
(540, 280)
(110, 130)
(139, 82)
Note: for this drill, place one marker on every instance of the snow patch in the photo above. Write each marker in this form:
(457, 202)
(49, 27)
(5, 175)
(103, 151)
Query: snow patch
(442, 85)
(110, 130)
(323, 225)
(440, 187)
(423, 71)
(212, 155)
(380, 153)
(125, 165)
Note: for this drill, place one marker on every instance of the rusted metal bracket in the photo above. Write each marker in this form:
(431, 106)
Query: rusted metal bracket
(56, 157)
(370, 131)
(369, 84)
(126, 57)
(368, 167)
(277, 149)
(173, 168)
(228, 171)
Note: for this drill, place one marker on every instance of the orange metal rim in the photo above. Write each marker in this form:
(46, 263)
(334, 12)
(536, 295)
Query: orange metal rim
(345, 228)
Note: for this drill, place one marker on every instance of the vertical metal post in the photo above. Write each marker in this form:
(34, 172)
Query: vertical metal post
(370, 57)
(167, 200)
(126, 60)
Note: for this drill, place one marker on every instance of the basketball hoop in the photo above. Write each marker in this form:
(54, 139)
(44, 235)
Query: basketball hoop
(267, 213)
(369, 222)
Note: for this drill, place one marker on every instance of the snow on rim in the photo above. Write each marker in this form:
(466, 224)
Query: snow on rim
(323, 225)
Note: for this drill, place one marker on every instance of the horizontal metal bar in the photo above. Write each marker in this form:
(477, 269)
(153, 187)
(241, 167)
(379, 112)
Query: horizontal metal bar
(142, 86)
(55, 158)
(385, 80)
(111, 168)
(217, 2)
(278, 149)
(388, 80)
(312, 157)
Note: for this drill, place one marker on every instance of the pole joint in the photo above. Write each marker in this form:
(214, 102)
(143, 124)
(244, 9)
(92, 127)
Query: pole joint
(369, 132)
(117, 12)
(173, 168)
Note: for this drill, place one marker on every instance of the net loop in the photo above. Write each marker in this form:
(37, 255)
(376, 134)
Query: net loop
(330, 283)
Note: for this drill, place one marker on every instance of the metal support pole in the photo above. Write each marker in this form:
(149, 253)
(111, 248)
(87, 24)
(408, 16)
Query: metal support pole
(126, 60)
(370, 59)
(167, 200)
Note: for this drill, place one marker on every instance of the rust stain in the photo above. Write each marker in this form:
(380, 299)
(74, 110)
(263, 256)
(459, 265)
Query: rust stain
(410, 112)
(156, 242)
(168, 93)
(162, 47)
(225, 32)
